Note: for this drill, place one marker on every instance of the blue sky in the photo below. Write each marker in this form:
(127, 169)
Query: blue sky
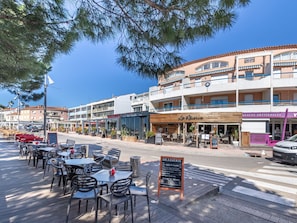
(90, 73)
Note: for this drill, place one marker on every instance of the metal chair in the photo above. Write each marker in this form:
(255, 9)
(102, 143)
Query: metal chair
(84, 188)
(119, 193)
(71, 172)
(142, 191)
(112, 158)
(49, 156)
(58, 171)
(31, 154)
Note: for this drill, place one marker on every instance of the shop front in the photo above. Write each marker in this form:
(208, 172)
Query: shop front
(196, 128)
(267, 127)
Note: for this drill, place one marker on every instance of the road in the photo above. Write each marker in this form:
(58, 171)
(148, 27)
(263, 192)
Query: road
(232, 169)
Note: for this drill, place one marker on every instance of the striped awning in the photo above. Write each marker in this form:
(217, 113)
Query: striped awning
(171, 81)
(257, 66)
(284, 64)
(212, 72)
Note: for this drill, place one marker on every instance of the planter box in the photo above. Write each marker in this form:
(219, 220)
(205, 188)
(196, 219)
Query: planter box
(129, 138)
(150, 140)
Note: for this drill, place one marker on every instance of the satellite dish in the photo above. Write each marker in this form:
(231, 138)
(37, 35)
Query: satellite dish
(207, 84)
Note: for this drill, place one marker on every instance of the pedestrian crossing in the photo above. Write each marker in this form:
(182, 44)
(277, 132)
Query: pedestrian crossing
(207, 175)
(273, 182)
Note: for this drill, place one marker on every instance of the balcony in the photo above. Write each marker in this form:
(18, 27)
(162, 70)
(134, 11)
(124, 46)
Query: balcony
(244, 106)
(259, 82)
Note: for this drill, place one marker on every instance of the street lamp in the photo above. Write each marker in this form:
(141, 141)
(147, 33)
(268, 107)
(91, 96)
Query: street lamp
(10, 104)
(47, 81)
(17, 97)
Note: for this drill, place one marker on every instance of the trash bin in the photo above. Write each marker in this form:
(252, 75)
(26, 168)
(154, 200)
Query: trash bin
(135, 165)
(85, 150)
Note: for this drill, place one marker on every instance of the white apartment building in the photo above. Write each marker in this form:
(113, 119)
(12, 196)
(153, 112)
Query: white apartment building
(103, 113)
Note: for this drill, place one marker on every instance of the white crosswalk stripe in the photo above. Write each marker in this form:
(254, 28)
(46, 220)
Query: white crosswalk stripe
(274, 182)
(207, 176)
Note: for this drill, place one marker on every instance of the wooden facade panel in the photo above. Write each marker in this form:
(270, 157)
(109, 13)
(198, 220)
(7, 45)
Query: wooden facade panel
(212, 117)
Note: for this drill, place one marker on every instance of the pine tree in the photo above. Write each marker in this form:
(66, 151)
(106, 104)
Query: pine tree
(150, 34)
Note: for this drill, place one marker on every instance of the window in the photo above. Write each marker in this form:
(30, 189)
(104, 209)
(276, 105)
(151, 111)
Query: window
(215, 64)
(295, 73)
(295, 97)
(221, 79)
(178, 73)
(219, 100)
(275, 98)
(212, 65)
(168, 88)
(206, 66)
(137, 109)
(276, 73)
(249, 60)
(248, 98)
(198, 101)
(286, 56)
(168, 106)
(249, 75)
(198, 82)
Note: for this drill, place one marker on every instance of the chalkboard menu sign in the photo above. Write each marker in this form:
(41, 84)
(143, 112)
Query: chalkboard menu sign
(52, 138)
(158, 138)
(214, 142)
(171, 175)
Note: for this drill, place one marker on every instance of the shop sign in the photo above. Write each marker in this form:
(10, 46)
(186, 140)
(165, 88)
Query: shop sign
(189, 118)
(269, 115)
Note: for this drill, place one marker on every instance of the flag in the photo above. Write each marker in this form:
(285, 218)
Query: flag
(50, 81)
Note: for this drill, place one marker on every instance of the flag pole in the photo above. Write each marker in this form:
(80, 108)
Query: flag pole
(44, 112)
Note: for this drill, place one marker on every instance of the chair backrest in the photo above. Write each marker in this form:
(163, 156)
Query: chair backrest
(70, 142)
(174, 136)
(83, 183)
(114, 152)
(97, 153)
(147, 178)
(73, 170)
(55, 162)
(121, 187)
(58, 165)
(94, 167)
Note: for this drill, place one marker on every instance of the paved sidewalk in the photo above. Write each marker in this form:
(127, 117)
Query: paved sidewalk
(25, 197)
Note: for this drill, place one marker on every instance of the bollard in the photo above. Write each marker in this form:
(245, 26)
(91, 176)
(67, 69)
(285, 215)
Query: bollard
(135, 165)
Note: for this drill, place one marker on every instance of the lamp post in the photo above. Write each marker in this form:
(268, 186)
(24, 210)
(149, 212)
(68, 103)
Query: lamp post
(10, 104)
(47, 81)
(44, 112)
(18, 110)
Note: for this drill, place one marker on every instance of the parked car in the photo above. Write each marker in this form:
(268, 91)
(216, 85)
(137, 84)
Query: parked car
(26, 138)
(34, 128)
(286, 150)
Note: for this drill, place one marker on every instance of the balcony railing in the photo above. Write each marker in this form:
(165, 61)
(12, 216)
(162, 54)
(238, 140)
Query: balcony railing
(254, 102)
(173, 108)
(285, 103)
(226, 105)
(209, 105)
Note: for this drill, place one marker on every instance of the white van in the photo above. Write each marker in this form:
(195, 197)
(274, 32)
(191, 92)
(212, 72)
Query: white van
(286, 150)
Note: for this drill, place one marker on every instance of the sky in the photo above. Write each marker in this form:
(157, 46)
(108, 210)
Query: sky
(90, 73)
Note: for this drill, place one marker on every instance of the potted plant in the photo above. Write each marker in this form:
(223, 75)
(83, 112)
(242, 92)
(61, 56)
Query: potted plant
(86, 131)
(235, 136)
(113, 134)
(150, 137)
(124, 133)
(192, 128)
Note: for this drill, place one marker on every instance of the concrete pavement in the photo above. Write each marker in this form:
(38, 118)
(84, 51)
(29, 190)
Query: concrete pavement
(204, 201)
(208, 202)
